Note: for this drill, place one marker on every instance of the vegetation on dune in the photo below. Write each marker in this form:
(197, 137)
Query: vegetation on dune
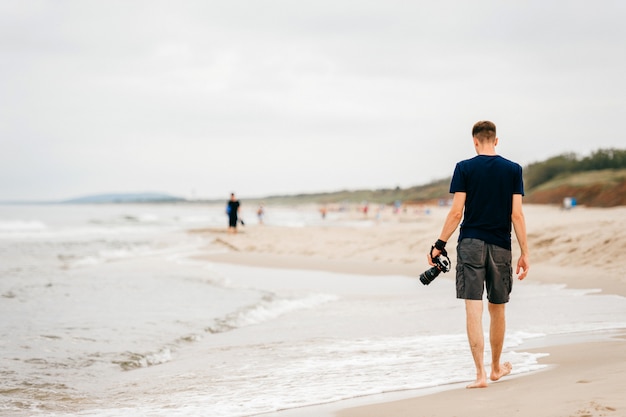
(597, 180)
(538, 173)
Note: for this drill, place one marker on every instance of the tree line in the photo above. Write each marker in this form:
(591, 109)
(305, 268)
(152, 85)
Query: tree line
(540, 172)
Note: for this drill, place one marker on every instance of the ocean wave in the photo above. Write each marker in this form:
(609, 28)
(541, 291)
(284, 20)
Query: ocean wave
(127, 251)
(143, 360)
(105, 255)
(17, 226)
(268, 308)
(152, 219)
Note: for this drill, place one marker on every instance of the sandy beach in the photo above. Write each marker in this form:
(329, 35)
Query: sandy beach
(580, 248)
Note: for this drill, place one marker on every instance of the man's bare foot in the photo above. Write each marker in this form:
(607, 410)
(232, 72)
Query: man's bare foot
(479, 383)
(504, 370)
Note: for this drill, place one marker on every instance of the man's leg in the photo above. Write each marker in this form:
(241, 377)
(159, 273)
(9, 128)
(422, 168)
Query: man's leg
(497, 329)
(474, 317)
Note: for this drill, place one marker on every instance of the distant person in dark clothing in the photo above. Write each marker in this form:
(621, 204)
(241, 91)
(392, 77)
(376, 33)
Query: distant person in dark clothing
(232, 209)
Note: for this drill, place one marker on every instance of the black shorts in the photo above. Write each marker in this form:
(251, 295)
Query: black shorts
(481, 265)
(232, 220)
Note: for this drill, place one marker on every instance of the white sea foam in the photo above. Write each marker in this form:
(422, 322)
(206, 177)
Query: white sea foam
(268, 308)
(143, 360)
(279, 376)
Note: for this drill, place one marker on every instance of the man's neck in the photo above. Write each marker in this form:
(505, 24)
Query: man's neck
(487, 147)
(487, 150)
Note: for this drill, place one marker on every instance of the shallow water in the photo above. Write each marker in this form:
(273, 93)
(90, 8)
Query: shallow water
(105, 313)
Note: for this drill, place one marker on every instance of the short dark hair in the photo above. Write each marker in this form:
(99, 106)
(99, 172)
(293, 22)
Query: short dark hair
(484, 130)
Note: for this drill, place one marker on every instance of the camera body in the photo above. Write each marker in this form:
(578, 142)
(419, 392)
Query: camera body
(442, 264)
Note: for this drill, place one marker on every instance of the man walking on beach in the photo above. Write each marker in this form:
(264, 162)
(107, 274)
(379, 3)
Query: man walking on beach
(232, 209)
(488, 192)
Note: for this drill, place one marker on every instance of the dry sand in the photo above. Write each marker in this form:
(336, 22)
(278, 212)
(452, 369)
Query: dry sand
(581, 248)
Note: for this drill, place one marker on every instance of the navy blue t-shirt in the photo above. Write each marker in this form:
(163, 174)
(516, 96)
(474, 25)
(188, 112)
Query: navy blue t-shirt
(489, 183)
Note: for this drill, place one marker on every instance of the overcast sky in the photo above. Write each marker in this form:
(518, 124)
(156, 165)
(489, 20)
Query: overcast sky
(201, 98)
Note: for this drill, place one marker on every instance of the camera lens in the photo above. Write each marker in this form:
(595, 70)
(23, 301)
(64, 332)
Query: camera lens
(428, 276)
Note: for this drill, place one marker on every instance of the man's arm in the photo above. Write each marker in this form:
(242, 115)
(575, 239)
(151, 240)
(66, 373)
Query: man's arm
(452, 222)
(519, 225)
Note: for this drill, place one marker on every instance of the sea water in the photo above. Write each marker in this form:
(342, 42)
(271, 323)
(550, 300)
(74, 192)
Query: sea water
(106, 311)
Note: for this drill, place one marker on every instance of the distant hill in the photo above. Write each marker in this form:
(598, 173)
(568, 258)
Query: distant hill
(125, 198)
(418, 194)
(596, 180)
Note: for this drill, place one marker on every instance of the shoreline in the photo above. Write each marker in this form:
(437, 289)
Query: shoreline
(585, 376)
(562, 389)
(583, 379)
(585, 373)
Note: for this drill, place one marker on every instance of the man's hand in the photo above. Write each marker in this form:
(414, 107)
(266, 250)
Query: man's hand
(523, 265)
(432, 254)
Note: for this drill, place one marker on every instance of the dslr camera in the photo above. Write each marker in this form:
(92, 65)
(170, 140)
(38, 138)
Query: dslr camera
(442, 264)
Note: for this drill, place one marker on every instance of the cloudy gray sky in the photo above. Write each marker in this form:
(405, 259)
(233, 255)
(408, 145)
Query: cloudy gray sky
(198, 98)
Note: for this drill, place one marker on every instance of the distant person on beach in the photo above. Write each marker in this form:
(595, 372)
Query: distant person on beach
(232, 209)
(260, 213)
(488, 192)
